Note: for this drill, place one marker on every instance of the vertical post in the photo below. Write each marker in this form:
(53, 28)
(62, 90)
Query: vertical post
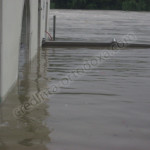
(54, 27)
(46, 19)
(39, 23)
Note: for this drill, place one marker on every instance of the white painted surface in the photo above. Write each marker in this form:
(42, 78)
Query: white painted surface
(0, 42)
(11, 32)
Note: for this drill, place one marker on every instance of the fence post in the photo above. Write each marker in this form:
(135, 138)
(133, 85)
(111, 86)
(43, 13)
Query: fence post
(54, 27)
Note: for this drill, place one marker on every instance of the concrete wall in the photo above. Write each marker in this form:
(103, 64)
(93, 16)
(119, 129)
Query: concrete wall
(0, 42)
(11, 24)
(43, 17)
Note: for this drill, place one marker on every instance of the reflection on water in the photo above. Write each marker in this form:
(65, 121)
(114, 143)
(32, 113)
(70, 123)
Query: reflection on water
(23, 74)
(31, 131)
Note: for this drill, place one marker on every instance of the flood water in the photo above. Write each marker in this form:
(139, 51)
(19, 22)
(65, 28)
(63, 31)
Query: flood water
(100, 26)
(107, 108)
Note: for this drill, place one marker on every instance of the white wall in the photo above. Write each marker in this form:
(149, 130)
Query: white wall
(0, 42)
(11, 31)
(43, 17)
(11, 28)
(33, 27)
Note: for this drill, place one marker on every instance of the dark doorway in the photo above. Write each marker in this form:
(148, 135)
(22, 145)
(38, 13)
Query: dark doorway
(24, 53)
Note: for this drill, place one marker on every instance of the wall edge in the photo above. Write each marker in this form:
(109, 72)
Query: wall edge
(1, 16)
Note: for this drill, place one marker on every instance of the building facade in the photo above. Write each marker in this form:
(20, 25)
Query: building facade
(22, 27)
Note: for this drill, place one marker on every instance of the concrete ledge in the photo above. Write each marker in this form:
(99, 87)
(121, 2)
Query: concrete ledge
(92, 44)
(74, 44)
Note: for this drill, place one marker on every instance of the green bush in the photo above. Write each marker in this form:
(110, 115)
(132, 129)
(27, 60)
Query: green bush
(136, 5)
(91, 6)
(52, 5)
(129, 5)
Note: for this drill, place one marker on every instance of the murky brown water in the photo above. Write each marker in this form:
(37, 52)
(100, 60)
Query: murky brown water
(106, 109)
(100, 26)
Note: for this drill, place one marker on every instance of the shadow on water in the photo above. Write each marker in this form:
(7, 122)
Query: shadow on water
(30, 131)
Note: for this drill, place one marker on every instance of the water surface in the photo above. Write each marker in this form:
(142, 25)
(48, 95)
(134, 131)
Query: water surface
(100, 26)
(108, 108)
